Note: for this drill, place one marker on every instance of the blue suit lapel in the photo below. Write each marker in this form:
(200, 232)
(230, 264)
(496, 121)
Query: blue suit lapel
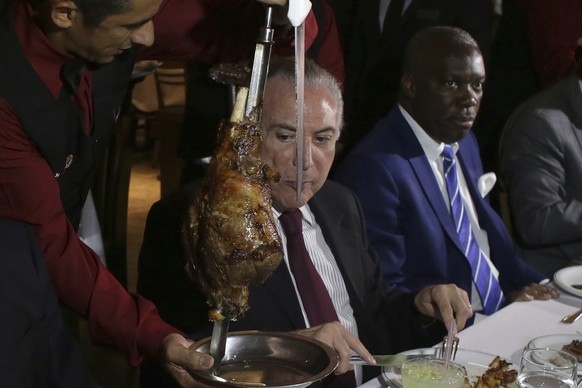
(424, 174)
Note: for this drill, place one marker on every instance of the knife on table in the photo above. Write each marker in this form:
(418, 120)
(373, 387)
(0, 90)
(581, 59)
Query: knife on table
(298, 11)
(392, 360)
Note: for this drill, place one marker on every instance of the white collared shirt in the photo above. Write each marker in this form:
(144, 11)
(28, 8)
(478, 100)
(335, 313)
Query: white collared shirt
(432, 151)
(327, 267)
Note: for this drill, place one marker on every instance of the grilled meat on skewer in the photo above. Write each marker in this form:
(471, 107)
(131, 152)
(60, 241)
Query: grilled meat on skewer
(231, 238)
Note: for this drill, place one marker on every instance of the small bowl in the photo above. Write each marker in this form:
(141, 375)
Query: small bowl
(269, 359)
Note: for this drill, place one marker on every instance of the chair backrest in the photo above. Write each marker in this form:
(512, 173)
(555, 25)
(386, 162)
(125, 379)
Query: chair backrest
(171, 84)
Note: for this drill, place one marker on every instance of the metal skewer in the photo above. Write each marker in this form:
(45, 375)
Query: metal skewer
(253, 108)
(260, 70)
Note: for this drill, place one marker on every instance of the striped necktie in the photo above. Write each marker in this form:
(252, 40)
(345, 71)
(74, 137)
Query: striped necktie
(486, 283)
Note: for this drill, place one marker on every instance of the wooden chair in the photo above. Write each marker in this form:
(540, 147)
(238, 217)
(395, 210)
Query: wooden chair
(162, 124)
(171, 88)
(111, 186)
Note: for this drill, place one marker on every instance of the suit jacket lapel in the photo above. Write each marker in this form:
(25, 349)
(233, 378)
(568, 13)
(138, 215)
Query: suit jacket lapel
(336, 234)
(389, 34)
(575, 97)
(278, 286)
(424, 174)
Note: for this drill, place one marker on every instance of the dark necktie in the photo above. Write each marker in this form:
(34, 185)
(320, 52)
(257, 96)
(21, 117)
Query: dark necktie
(487, 285)
(316, 300)
(392, 18)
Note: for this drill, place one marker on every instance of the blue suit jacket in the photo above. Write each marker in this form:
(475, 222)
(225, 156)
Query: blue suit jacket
(407, 219)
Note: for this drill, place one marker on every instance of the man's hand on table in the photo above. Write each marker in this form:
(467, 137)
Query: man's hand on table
(340, 339)
(445, 302)
(177, 356)
(535, 291)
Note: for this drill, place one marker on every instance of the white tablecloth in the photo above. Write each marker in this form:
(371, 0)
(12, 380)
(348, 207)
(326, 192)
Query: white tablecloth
(508, 331)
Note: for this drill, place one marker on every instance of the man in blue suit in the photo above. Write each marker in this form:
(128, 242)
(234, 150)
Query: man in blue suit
(397, 174)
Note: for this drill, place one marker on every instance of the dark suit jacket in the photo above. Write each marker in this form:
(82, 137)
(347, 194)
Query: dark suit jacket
(36, 348)
(387, 321)
(407, 219)
(374, 58)
(541, 167)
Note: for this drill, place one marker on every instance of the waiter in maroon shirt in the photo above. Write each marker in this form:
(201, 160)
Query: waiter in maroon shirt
(64, 69)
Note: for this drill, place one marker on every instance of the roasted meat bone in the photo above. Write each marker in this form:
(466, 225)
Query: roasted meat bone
(230, 236)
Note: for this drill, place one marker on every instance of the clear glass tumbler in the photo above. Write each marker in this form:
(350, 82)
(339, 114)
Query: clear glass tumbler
(431, 372)
(547, 368)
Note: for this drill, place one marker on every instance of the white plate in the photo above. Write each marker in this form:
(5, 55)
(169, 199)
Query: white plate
(555, 341)
(475, 362)
(567, 277)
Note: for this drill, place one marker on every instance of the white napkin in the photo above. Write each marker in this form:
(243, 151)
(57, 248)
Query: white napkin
(486, 183)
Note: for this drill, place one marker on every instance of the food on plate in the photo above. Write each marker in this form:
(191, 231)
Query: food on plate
(498, 375)
(230, 236)
(574, 348)
(577, 286)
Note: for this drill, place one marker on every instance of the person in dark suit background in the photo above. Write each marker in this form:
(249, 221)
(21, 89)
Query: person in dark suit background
(378, 39)
(37, 349)
(533, 47)
(371, 315)
(541, 167)
(398, 174)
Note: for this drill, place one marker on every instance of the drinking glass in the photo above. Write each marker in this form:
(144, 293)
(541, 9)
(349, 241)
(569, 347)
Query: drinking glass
(431, 372)
(547, 368)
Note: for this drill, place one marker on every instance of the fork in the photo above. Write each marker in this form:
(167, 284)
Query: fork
(571, 318)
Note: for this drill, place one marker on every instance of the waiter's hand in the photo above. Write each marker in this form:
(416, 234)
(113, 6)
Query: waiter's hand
(535, 291)
(177, 356)
(445, 302)
(338, 337)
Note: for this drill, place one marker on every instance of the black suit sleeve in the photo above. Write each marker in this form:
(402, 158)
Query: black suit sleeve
(37, 348)
(161, 265)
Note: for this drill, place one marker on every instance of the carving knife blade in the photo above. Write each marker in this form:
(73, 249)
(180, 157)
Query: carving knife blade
(300, 98)
(298, 10)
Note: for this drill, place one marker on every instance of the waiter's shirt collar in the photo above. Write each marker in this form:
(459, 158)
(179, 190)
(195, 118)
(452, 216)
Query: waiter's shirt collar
(43, 56)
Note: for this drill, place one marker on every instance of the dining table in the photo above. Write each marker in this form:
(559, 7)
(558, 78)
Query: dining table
(507, 332)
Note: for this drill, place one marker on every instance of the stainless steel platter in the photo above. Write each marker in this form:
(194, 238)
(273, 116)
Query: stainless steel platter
(269, 359)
